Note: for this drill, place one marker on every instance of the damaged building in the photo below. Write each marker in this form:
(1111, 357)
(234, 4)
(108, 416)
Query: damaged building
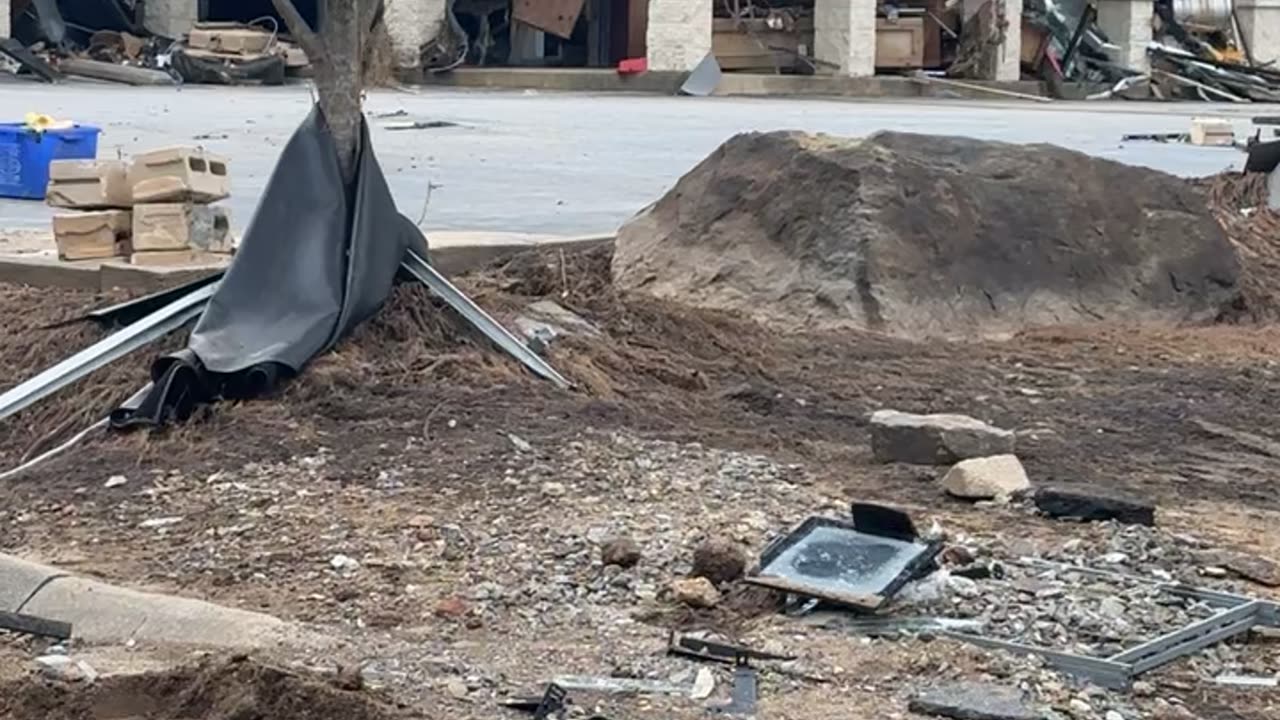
(852, 38)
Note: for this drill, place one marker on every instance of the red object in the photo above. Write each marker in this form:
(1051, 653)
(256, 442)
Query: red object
(633, 66)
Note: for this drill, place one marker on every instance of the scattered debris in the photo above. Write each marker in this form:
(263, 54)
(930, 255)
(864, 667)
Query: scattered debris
(743, 695)
(162, 522)
(1093, 504)
(704, 78)
(832, 560)
(704, 683)
(987, 478)
(63, 668)
(1261, 681)
(974, 701)
(111, 72)
(718, 560)
(115, 481)
(419, 125)
(935, 439)
(701, 648)
(342, 563)
(696, 592)
(630, 686)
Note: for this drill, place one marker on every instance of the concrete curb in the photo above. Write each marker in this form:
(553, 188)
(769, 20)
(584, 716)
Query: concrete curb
(462, 252)
(103, 613)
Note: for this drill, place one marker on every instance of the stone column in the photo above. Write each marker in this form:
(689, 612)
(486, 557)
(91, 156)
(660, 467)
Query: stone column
(679, 34)
(1008, 57)
(4, 18)
(844, 35)
(171, 18)
(1127, 23)
(1260, 25)
(412, 24)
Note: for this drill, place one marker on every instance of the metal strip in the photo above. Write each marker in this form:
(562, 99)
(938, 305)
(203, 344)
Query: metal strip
(1213, 637)
(1191, 636)
(32, 625)
(474, 314)
(105, 351)
(1106, 673)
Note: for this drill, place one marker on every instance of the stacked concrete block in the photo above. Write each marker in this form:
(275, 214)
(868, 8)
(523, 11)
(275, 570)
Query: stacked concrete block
(155, 211)
(173, 221)
(92, 235)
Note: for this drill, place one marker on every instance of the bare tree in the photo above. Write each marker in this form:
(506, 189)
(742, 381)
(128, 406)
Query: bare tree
(336, 52)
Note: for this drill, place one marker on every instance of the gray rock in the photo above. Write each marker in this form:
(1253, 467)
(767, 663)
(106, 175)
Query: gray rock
(622, 552)
(719, 561)
(1094, 504)
(974, 701)
(935, 439)
(695, 592)
(1000, 476)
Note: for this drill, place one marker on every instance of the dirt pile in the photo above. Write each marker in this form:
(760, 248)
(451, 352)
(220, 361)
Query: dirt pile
(1239, 201)
(922, 236)
(224, 690)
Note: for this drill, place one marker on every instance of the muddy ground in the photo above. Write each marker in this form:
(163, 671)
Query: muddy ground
(474, 498)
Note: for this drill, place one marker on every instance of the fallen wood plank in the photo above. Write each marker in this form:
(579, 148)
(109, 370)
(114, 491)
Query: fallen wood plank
(115, 73)
(1257, 443)
(32, 625)
(927, 79)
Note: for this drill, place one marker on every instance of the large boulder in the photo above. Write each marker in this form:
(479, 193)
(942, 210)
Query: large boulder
(918, 235)
(939, 439)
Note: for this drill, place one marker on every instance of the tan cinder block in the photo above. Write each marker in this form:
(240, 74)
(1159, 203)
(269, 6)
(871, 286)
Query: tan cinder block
(229, 38)
(179, 174)
(84, 236)
(89, 184)
(171, 258)
(180, 226)
(1212, 131)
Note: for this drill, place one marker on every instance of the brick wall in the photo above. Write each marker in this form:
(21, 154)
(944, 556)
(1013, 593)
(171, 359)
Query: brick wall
(679, 34)
(412, 24)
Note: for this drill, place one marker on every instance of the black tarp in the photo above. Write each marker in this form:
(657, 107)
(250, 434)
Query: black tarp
(317, 259)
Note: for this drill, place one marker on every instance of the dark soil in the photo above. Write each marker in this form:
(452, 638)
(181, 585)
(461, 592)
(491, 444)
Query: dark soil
(236, 689)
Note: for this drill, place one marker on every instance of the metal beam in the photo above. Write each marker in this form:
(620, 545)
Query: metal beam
(474, 314)
(1107, 673)
(107, 350)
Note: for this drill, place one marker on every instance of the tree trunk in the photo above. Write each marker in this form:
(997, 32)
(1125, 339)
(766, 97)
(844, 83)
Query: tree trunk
(336, 54)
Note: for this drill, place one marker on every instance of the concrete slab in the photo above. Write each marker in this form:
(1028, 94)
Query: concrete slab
(102, 613)
(19, 579)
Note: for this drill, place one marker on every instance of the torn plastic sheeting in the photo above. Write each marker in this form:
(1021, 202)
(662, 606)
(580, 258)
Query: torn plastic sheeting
(315, 262)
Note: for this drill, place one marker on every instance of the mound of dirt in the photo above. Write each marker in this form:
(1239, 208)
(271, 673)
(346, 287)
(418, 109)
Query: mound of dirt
(923, 236)
(236, 689)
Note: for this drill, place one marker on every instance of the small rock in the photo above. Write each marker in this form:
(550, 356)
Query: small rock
(520, 443)
(934, 439)
(719, 561)
(348, 677)
(452, 607)
(986, 478)
(1094, 504)
(1143, 688)
(974, 701)
(704, 683)
(1080, 708)
(1112, 607)
(115, 481)
(623, 552)
(1115, 558)
(697, 592)
(457, 688)
(342, 563)
(554, 489)
(163, 522)
(1113, 715)
(957, 555)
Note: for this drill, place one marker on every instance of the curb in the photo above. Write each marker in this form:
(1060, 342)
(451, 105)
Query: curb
(103, 613)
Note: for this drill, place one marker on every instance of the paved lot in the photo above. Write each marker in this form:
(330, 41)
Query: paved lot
(555, 163)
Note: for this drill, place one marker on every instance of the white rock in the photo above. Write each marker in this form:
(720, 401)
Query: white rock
(1115, 558)
(520, 443)
(553, 489)
(342, 563)
(1081, 708)
(115, 481)
(1112, 607)
(703, 684)
(61, 667)
(1113, 715)
(163, 522)
(998, 476)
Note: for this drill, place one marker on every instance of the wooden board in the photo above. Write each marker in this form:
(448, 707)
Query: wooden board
(900, 44)
(557, 17)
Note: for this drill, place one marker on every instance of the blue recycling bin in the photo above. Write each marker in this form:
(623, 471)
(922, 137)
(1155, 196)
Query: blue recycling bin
(25, 156)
